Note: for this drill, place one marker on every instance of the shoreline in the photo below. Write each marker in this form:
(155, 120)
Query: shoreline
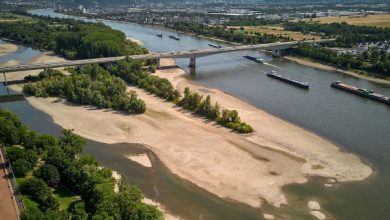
(316, 65)
(229, 169)
(7, 48)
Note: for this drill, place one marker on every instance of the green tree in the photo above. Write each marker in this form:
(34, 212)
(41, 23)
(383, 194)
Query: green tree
(50, 175)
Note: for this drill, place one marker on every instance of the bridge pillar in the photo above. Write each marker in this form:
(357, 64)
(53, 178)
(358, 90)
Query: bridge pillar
(277, 52)
(192, 62)
(5, 79)
(81, 68)
(158, 64)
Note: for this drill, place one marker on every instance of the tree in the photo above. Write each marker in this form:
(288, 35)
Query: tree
(50, 174)
(21, 167)
(71, 143)
(77, 211)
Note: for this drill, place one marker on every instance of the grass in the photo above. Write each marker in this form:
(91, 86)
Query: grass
(276, 30)
(28, 203)
(9, 17)
(382, 20)
(64, 196)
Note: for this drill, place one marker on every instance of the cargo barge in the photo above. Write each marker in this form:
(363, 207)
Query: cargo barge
(258, 60)
(159, 35)
(294, 82)
(361, 92)
(174, 37)
(215, 46)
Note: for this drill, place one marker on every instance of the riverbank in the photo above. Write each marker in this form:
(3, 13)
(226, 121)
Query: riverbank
(311, 63)
(247, 168)
(6, 48)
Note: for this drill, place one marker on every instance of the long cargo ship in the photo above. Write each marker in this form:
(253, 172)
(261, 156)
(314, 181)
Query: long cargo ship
(361, 92)
(294, 82)
(174, 37)
(215, 46)
(258, 60)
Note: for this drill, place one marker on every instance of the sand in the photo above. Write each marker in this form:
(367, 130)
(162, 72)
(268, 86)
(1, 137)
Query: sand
(320, 66)
(137, 41)
(315, 207)
(7, 48)
(247, 168)
(141, 159)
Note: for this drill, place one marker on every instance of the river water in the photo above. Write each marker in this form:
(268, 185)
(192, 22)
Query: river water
(356, 124)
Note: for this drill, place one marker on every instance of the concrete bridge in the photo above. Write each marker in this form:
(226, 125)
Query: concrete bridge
(276, 49)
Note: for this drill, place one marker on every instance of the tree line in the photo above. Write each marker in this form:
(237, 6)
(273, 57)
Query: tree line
(46, 162)
(93, 85)
(373, 62)
(346, 35)
(226, 34)
(132, 72)
(70, 38)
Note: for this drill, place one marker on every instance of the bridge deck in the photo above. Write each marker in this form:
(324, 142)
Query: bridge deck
(173, 54)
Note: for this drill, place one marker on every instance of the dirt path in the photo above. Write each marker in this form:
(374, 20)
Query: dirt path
(7, 204)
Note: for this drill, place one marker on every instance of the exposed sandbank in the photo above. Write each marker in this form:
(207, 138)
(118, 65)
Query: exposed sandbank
(7, 48)
(246, 168)
(142, 159)
(137, 41)
(321, 66)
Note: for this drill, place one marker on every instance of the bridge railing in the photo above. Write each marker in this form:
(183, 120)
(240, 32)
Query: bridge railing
(11, 180)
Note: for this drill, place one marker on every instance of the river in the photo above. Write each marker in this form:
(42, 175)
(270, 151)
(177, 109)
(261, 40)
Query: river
(357, 125)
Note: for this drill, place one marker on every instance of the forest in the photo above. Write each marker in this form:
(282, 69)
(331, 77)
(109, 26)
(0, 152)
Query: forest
(372, 62)
(93, 85)
(70, 38)
(43, 164)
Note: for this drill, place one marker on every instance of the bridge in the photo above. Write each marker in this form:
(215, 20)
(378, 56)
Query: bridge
(191, 54)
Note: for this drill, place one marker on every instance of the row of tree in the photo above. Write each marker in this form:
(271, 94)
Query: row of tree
(61, 163)
(229, 118)
(346, 34)
(92, 86)
(226, 33)
(132, 72)
(372, 62)
(71, 38)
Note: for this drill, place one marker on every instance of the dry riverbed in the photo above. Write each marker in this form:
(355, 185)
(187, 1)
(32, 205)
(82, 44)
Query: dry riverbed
(247, 168)
(7, 48)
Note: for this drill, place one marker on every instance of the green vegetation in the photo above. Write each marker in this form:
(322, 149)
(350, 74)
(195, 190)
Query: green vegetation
(346, 35)
(132, 72)
(373, 62)
(43, 75)
(229, 118)
(229, 34)
(71, 38)
(66, 184)
(92, 86)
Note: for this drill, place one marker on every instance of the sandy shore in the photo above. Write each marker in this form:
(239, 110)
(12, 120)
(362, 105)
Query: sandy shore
(7, 48)
(247, 168)
(139, 42)
(142, 159)
(320, 66)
